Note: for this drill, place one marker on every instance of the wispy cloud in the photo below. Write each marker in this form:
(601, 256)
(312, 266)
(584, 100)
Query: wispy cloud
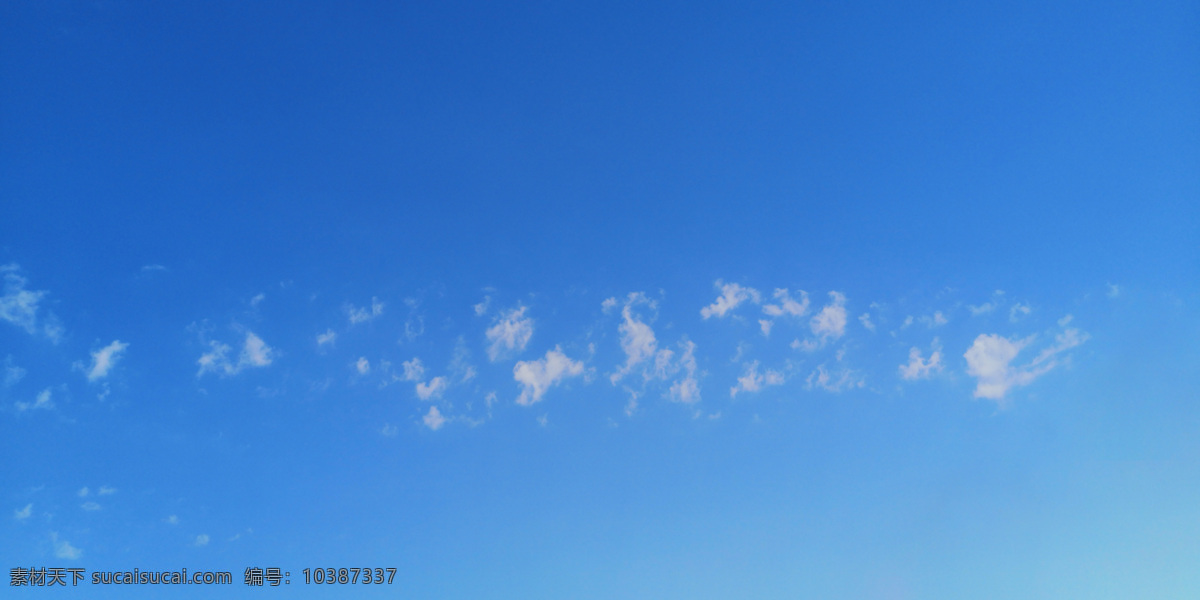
(990, 358)
(731, 296)
(255, 353)
(919, 367)
(22, 307)
(509, 334)
(643, 355)
(687, 388)
(538, 376)
(434, 419)
(413, 369)
(981, 309)
(865, 319)
(989, 361)
(43, 402)
(787, 305)
(482, 307)
(830, 323)
(104, 359)
(432, 389)
(363, 314)
(1018, 312)
(637, 338)
(23, 513)
(753, 381)
(327, 338)
(63, 549)
(937, 319)
(834, 380)
(987, 307)
(10, 373)
(460, 363)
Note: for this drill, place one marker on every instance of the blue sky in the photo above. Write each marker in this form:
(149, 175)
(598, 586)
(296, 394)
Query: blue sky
(605, 300)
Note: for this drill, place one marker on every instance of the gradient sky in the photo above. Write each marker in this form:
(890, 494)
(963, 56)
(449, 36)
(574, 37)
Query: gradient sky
(604, 300)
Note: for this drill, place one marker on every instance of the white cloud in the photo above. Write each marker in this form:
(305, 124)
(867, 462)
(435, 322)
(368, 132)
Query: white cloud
(831, 321)
(215, 360)
(414, 326)
(1066, 340)
(63, 549)
(990, 357)
(752, 381)
(731, 296)
(686, 389)
(608, 304)
(21, 307)
(1114, 290)
(637, 338)
(1018, 312)
(255, 301)
(172, 520)
(833, 381)
(389, 430)
(23, 513)
(12, 373)
(641, 346)
(538, 376)
(329, 337)
(865, 319)
(765, 325)
(511, 332)
(988, 360)
(89, 506)
(434, 419)
(413, 369)
(105, 359)
(83, 492)
(787, 305)
(981, 309)
(255, 353)
(460, 364)
(153, 268)
(363, 314)
(362, 365)
(632, 405)
(43, 402)
(987, 307)
(937, 319)
(201, 540)
(433, 389)
(483, 306)
(922, 368)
